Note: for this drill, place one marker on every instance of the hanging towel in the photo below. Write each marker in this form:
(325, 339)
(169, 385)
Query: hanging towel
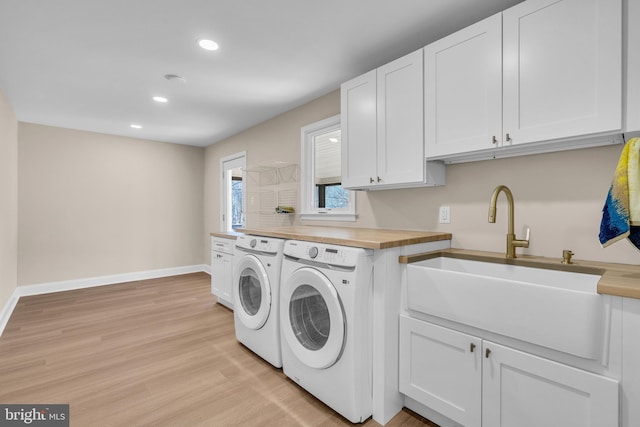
(621, 211)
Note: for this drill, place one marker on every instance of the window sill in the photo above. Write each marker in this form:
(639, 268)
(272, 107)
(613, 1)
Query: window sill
(315, 216)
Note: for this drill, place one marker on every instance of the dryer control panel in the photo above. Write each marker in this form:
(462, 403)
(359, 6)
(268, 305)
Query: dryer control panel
(322, 253)
(266, 245)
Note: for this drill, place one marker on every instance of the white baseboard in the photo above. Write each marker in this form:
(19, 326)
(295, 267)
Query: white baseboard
(68, 285)
(5, 314)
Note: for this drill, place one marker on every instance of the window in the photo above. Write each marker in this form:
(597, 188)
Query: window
(236, 200)
(322, 195)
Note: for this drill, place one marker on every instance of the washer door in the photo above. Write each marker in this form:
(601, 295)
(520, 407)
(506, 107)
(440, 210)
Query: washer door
(312, 318)
(252, 292)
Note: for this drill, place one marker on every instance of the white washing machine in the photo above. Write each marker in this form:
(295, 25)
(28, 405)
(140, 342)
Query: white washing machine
(256, 291)
(325, 321)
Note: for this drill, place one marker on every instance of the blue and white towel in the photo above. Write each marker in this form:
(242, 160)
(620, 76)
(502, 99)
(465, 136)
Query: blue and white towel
(621, 211)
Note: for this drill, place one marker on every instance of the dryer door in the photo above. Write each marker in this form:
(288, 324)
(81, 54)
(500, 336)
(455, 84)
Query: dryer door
(252, 292)
(312, 318)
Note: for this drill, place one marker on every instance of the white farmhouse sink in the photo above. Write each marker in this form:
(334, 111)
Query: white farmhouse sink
(555, 309)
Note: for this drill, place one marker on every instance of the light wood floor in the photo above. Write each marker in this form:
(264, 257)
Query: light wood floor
(150, 353)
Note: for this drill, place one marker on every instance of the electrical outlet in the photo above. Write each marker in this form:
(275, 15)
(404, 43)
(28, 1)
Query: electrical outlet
(445, 215)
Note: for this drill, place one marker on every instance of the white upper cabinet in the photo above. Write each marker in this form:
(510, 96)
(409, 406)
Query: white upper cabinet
(382, 115)
(358, 121)
(562, 69)
(400, 121)
(543, 70)
(632, 15)
(463, 89)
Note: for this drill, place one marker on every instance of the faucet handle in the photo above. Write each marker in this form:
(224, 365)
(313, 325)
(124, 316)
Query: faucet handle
(522, 243)
(566, 256)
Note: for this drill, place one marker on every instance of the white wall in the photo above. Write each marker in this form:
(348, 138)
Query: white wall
(559, 195)
(276, 140)
(8, 200)
(92, 205)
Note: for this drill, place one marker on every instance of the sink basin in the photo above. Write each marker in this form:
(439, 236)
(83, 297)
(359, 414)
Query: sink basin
(556, 309)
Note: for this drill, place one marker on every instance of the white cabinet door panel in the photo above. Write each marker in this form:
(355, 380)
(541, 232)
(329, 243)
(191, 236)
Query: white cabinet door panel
(400, 121)
(358, 117)
(562, 69)
(221, 277)
(633, 66)
(522, 390)
(463, 90)
(441, 369)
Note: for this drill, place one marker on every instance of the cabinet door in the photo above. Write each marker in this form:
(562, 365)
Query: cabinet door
(463, 90)
(221, 277)
(358, 117)
(441, 369)
(562, 69)
(522, 390)
(400, 121)
(633, 67)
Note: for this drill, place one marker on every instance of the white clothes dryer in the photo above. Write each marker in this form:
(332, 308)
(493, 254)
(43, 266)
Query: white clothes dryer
(325, 320)
(256, 290)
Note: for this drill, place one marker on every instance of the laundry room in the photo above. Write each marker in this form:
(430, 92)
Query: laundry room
(314, 224)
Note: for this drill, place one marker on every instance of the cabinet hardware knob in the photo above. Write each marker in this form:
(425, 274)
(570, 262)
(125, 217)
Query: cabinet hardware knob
(508, 137)
(495, 140)
(472, 347)
(487, 353)
(371, 181)
(379, 179)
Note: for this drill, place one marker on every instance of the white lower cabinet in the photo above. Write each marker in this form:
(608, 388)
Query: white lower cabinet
(475, 382)
(442, 369)
(222, 270)
(519, 389)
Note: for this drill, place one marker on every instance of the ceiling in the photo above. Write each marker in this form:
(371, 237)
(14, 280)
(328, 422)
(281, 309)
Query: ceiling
(96, 64)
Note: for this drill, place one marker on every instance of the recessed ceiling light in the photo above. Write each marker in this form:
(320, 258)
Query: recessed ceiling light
(160, 99)
(208, 44)
(135, 126)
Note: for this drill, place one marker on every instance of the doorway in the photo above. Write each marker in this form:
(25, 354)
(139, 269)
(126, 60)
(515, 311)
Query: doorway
(232, 191)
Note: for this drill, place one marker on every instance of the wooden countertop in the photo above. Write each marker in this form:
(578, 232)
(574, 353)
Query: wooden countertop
(617, 279)
(351, 236)
(233, 235)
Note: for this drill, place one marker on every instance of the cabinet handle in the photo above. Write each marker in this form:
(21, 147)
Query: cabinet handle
(472, 347)
(495, 140)
(508, 137)
(487, 352)
(379, 179)
(371, 181)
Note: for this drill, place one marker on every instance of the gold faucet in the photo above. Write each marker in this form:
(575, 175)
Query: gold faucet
(512, 242)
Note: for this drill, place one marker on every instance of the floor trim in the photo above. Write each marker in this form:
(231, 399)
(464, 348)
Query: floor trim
(5, 314)
(68, 285)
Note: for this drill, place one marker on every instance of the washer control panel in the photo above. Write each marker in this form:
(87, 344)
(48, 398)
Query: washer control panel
(322, 253)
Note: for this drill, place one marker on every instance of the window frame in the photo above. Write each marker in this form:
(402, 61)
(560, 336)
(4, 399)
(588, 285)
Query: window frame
(308, 211)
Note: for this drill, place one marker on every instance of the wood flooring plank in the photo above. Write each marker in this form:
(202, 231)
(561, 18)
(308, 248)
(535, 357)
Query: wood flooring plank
(158, 352)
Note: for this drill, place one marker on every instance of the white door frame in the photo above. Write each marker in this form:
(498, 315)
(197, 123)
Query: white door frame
(238, 160)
